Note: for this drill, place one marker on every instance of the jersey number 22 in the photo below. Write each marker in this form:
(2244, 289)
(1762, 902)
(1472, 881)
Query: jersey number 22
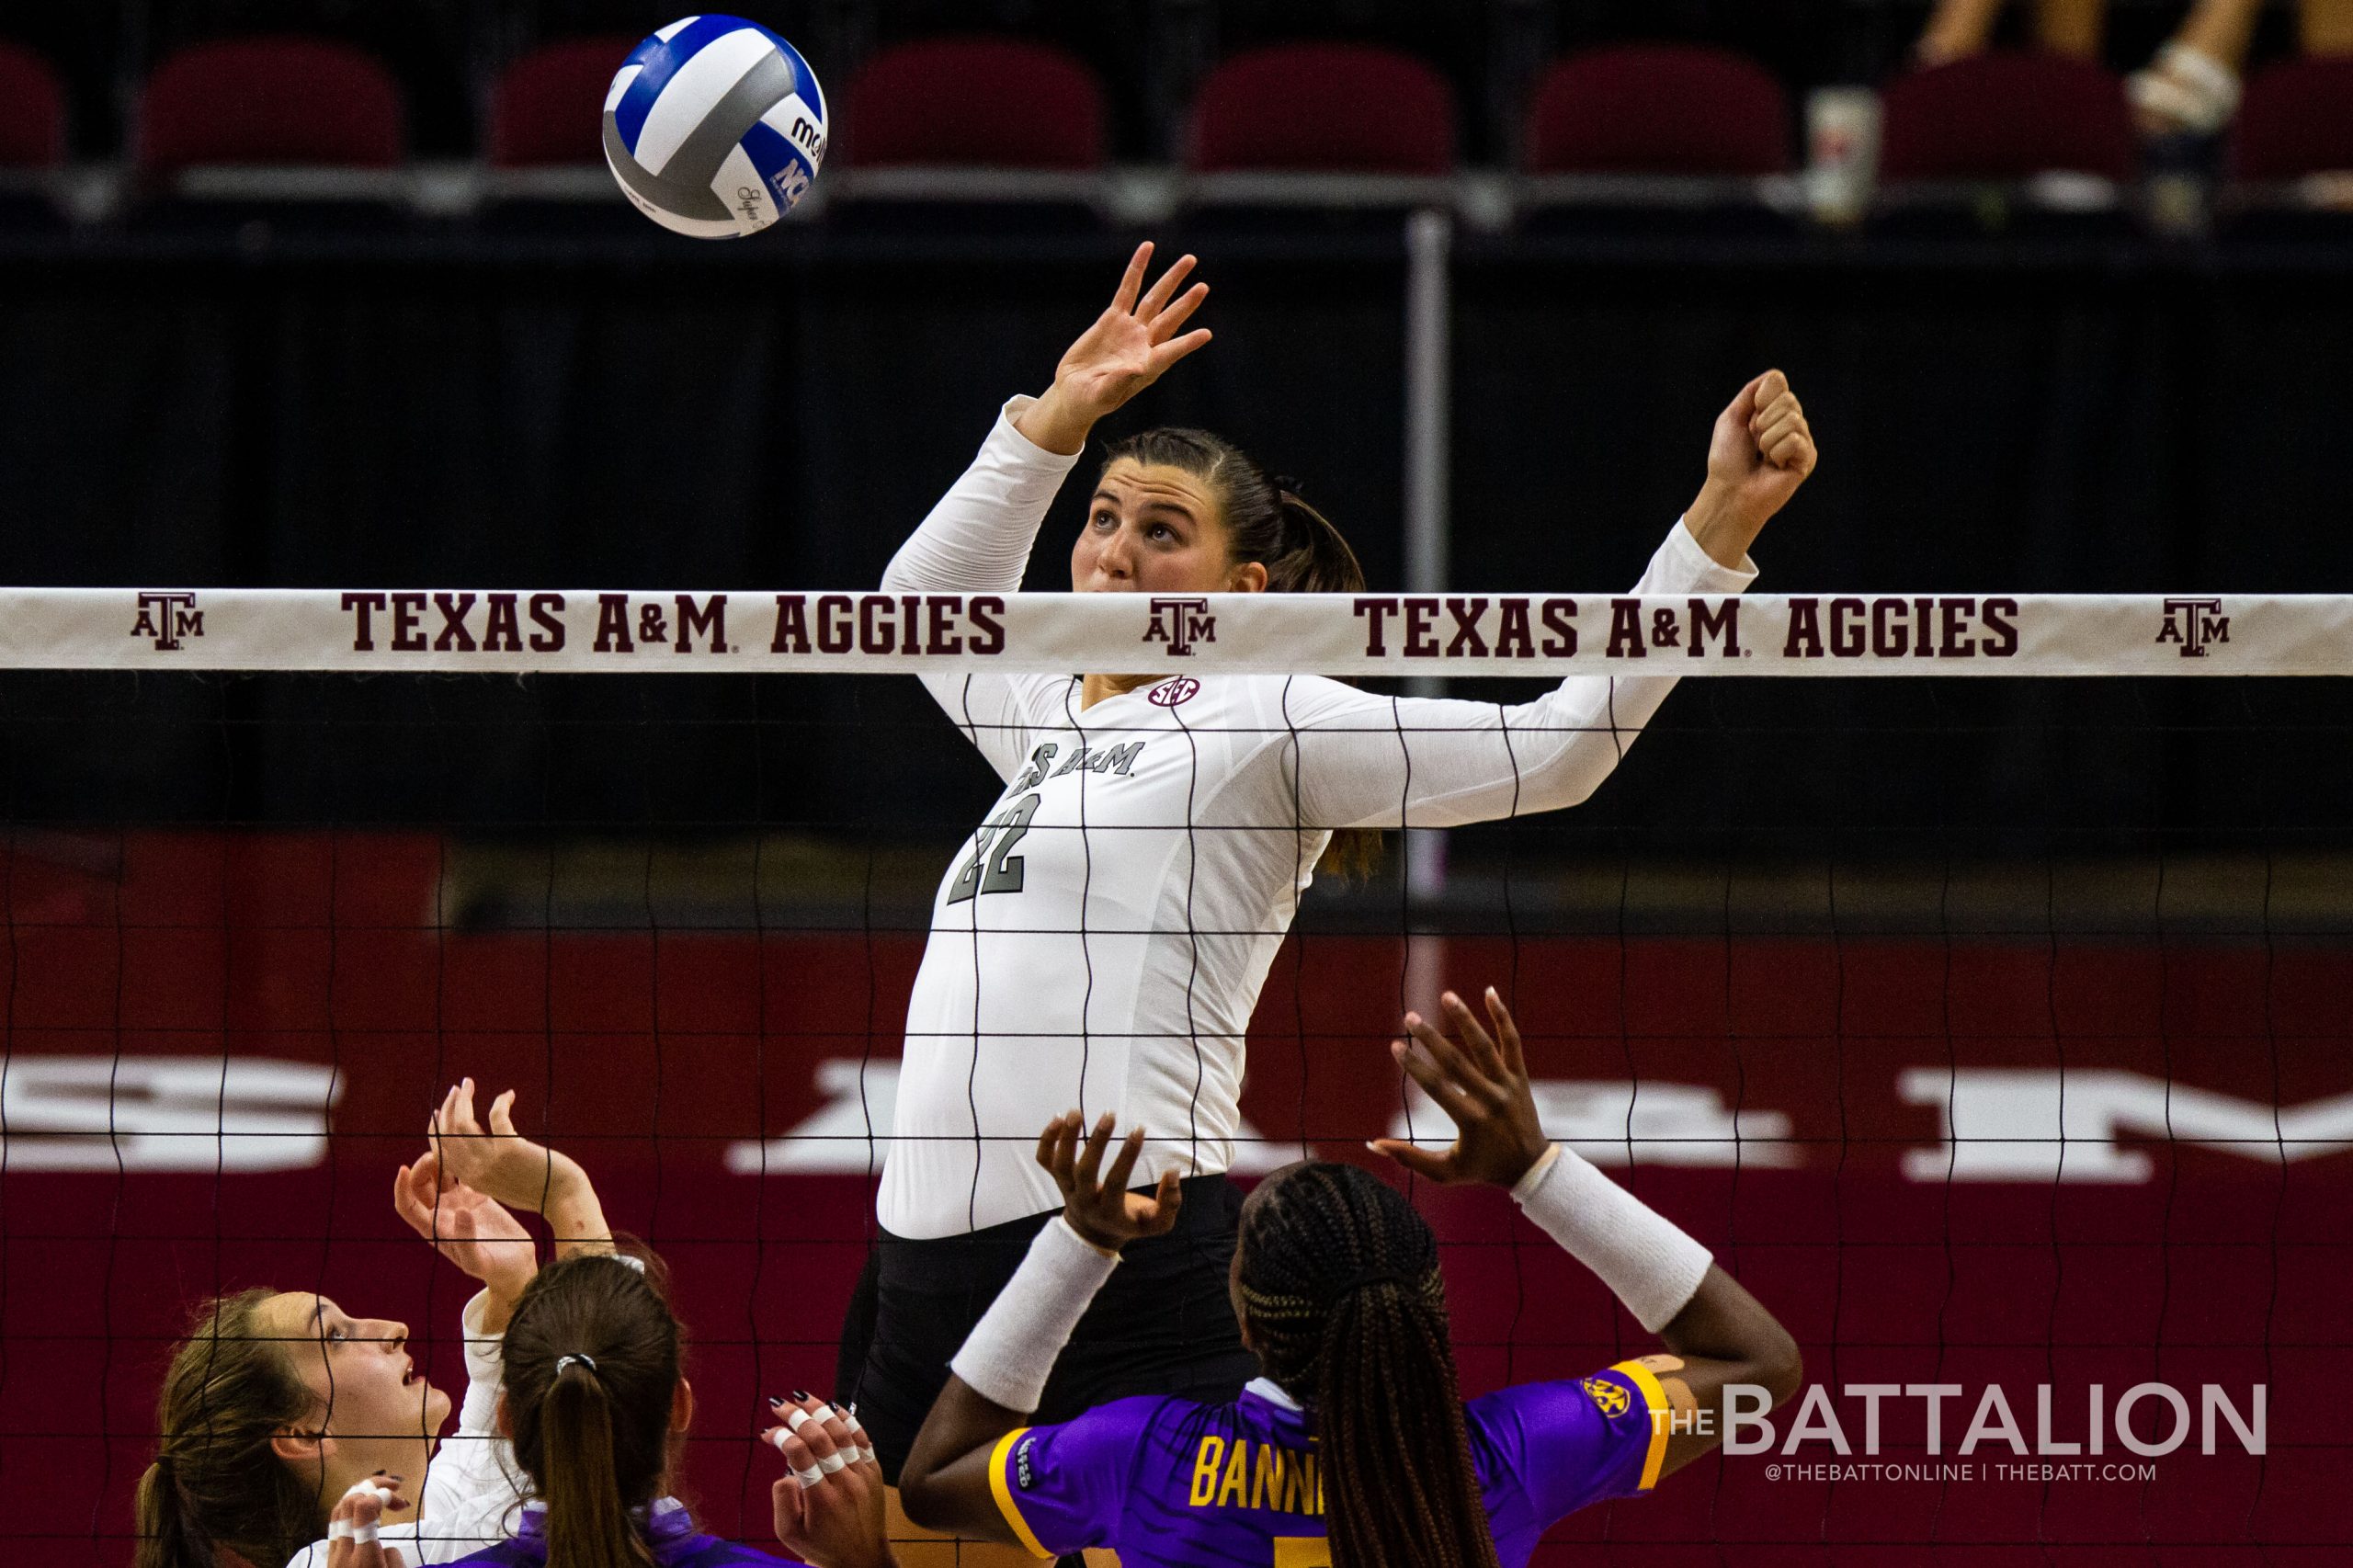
(1001, 871)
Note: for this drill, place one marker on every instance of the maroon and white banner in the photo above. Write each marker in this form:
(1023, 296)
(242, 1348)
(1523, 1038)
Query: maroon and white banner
(581, 631)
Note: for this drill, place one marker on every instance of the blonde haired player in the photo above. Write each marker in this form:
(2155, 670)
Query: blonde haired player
(1102, 941)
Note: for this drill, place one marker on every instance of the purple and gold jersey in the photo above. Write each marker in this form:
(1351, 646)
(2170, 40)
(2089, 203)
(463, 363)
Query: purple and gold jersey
(1169, 1482)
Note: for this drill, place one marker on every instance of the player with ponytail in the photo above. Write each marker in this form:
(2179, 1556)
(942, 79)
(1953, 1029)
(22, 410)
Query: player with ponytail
(1102, 938)
(1354, 1446)
(597, 1406)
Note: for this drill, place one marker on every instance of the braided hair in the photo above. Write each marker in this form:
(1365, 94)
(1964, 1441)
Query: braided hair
(1267, 521)
(1343, 1302)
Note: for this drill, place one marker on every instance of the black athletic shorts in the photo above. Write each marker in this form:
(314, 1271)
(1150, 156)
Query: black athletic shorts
(1162, 1323)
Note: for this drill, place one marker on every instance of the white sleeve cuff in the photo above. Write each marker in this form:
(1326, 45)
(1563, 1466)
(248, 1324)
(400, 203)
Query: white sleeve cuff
(1012, 1350)
(1682, 566)
(1645, 1260)
(1008, 441)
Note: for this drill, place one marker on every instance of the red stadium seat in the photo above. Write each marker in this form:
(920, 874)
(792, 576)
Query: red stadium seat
(975, 101)
(2297, 119)
(270, 100)
(2005, 115)
(546, 108)
(1658, 109)
(32, 112)
(1333, 106)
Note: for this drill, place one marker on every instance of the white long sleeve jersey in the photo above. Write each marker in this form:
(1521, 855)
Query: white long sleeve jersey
(1101, 940)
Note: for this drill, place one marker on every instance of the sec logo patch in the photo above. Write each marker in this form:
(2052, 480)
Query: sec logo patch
(1169, 693)
(1613, 1400)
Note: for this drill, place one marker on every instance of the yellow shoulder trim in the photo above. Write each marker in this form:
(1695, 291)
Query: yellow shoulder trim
(1654, 1396)
(1004, 1493)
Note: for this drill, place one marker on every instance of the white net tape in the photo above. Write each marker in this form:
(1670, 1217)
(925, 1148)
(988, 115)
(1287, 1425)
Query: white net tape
(577, 631)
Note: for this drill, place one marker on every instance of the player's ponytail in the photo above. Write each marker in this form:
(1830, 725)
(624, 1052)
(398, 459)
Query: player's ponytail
(1266, 521)
(217, 1494)
(592, 1361)
(589, 1525)
(1315, 558)
(1343, 1300)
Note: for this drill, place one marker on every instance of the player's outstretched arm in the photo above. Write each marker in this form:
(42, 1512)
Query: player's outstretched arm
(1716, 1334)
(999, 1376)
(1368, 761)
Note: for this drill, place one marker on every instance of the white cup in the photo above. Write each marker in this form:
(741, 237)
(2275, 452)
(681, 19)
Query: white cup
(1842, 152)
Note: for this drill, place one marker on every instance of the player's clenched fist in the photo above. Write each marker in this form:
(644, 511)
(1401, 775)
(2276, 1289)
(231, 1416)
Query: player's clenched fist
(1761, 451)
(1776, 426)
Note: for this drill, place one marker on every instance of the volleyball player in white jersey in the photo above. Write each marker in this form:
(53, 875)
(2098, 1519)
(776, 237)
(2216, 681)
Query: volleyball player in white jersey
(1101, 942)
(278, 1405)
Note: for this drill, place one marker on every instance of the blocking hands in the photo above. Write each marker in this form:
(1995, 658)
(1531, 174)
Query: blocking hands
(1480, 1079)
(829, 1509)
(1096, 1204)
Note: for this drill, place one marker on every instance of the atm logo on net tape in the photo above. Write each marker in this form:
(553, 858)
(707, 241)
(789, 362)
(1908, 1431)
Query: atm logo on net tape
(2194, 625)
(167, 617)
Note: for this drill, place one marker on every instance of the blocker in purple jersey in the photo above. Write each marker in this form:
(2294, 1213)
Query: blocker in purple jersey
(1168, 1482)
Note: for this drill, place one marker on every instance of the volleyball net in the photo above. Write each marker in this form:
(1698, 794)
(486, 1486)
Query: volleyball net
(1979, 997)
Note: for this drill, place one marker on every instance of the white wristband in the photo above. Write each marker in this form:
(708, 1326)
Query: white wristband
(1647, 1262)
(1011, 1351)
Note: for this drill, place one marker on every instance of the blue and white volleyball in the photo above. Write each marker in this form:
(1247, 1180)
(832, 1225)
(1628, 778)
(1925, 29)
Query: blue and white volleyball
(715, 127)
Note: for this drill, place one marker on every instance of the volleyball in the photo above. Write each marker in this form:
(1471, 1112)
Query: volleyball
(714, 127)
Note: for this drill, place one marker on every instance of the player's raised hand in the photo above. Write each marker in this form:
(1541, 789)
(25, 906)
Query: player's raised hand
(1131, 346)
(828, 1511)
(351, 1527)
(1760, 452)
(1097, 1204)
(468, 1228)
(495, 1159)
(1480, 1080)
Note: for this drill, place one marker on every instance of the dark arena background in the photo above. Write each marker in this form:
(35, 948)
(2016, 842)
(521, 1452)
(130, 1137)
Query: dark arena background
(1992, 1030)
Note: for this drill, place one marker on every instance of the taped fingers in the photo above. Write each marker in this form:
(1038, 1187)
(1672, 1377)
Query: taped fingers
(357, 1512)
(857, 1446)
(804, 1466)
